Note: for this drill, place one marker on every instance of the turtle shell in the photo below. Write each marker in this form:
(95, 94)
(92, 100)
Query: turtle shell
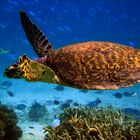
(96, 65)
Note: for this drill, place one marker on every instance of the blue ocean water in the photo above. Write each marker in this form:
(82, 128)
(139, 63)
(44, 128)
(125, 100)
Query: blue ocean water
(66, 22)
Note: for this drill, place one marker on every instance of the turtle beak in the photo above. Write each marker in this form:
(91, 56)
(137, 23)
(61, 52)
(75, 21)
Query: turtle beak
(13, 71)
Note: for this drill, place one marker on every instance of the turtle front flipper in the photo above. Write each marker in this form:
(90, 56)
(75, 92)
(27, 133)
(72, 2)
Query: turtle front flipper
(31, 70)
(38, 40)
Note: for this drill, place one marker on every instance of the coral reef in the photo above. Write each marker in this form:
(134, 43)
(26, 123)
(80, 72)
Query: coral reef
(84, 123)
(8, 124)
(37, 112)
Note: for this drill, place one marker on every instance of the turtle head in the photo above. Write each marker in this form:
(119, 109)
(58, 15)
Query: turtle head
(31, 70)
(13, 71)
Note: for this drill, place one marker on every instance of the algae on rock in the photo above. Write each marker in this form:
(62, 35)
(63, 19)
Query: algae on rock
(8, 124)
(37, 112)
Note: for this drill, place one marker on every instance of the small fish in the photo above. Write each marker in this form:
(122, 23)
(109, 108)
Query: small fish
(6, 85)
(59, 88)
(31, 127)
(2, 51)
(99, 92)
(75, 104)
(118, 95)
(31, 133)
(128, 94)
(21, 106)
(134, 94)
(83, 90)
(10, 93)
(69, 101)
(55, 122)
(49, 103)
(94, 103)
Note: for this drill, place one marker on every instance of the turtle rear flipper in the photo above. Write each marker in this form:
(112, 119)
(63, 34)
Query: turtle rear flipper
(135, 76)
(38, 40)
(32, 71)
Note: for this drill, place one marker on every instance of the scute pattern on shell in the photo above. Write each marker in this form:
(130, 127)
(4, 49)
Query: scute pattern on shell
(96, 64)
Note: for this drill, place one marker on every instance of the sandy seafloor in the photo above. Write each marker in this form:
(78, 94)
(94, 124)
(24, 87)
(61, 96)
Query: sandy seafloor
(27, 93)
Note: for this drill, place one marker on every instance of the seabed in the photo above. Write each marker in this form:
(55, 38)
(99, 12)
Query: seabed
(56, 98)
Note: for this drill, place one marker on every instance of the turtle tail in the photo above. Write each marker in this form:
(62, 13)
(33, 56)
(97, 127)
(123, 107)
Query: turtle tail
(38, 40)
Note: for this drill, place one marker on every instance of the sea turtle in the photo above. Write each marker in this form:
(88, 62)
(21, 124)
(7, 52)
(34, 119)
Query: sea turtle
(86, 65)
